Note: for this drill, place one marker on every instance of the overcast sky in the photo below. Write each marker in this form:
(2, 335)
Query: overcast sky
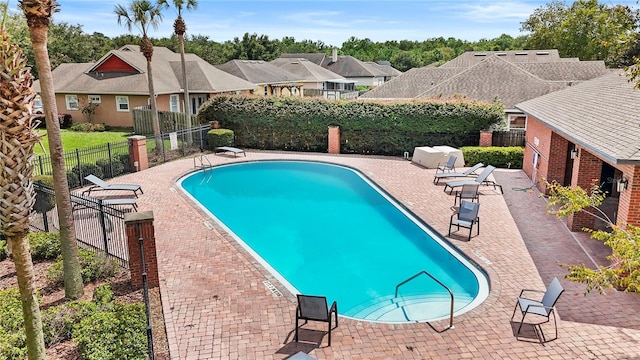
(332, 22)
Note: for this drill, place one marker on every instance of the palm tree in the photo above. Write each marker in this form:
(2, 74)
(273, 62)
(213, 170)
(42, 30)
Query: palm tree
(38, 14)
(179, 28)
(16, 181)
(143, 14)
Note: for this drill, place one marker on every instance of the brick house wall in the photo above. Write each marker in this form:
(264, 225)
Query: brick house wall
(586, 172)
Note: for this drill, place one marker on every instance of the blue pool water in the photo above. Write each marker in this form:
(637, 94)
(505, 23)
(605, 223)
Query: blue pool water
(325, 229)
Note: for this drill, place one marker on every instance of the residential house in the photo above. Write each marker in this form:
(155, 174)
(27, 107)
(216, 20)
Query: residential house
(318, 81)
(268, 79)
(586, 135)
(509, 77)
(118, 82)
(364, 74)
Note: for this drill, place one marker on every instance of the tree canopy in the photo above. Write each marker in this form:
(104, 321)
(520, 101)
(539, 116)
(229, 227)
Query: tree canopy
(586, 29)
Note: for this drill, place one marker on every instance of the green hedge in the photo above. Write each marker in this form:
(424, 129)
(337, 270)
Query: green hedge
(301, 123)
(501, 157)
(44, 202)
(220, 137)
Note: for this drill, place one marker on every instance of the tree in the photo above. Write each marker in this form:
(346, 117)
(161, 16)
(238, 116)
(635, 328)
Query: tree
(623, 239)
(38, 14)
(17, 139)
(179, 28)
(143, 15)
(587, 29)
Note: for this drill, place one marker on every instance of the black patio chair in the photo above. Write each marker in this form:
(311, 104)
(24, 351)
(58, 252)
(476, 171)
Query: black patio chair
(449, 166)
(466, 217)
(468, 192)
(315, 308)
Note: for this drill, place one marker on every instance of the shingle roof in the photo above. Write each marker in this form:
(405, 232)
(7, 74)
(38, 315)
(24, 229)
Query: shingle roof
(385, 69)
(316, 58)
(258, 72)
(167, 75)
(493, 78)
(348, 66)
(600, 114)
(471, 58)
(306, 70)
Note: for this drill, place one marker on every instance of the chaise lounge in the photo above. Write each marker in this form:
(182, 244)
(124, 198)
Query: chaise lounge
(467, 173)
(100, 185)
(482, 179)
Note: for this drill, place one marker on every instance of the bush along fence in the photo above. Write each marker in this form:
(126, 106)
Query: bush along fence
(366, 127)
(104, 161)
(180, 143)
(98, 227)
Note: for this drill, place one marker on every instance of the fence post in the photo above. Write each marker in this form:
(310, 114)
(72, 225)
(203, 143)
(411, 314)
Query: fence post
(334, 140)
(110, 161)
(138, 152)
(140, 227)
(102, 226)
(80, 177)
(40, 163)
(486, 138)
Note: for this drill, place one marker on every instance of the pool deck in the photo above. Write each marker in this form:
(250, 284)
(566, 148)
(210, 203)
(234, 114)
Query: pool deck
(216, 305)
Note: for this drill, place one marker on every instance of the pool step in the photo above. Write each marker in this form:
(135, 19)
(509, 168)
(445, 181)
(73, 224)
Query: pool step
(408, 308)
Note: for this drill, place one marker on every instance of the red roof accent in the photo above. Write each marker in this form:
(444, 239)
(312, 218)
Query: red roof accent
(114, 63)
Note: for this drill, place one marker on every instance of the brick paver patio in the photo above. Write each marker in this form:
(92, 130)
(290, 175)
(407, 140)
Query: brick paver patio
(217, 307)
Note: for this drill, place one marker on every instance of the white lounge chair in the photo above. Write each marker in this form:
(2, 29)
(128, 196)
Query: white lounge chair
(99, 185)
(469, 172)
(482, 179)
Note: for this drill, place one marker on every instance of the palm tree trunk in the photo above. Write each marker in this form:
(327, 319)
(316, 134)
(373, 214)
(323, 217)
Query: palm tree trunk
(73, 287)
(26, 284)
(154, 110)
(185, 84)
(17, 139)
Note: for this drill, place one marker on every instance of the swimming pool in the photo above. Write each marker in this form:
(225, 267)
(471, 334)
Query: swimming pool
(325, 229)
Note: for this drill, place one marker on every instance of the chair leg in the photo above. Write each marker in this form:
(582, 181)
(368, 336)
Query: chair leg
(329, 330)
(296, 337)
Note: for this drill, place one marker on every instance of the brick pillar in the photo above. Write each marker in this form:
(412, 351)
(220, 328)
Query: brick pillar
(629, 203)
(486, 138)
(586, 173)
(138, 152)
(140, 225)
(334, 139)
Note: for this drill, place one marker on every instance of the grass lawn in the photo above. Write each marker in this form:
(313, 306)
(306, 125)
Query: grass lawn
(72, 140)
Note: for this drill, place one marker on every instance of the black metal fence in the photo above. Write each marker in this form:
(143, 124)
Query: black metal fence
(104, 161)
(178, 144)
(98, 227)
(509, 138)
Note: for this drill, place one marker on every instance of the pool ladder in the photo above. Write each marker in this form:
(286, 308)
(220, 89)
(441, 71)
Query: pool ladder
(441, 284)
(202, 162)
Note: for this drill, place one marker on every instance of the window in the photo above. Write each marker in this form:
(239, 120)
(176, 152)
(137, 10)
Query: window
(94, 99)
(517, 122)
(174, 103)
(72, 102)
(122, 103)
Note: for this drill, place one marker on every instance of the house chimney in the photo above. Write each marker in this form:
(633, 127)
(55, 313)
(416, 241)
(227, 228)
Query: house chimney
(334, 57)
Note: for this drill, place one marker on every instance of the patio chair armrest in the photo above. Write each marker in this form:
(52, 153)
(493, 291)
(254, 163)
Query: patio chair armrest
(530, 290)
(333, 308)
(537, 306)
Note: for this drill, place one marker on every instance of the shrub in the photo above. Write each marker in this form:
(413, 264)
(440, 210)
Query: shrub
(3, 249)
(86, 169)
(103, 294)
(500, 157)
(65, 121)
(116, 334)
(111, 169)
(44, 202)
(220, 137)
(44, 246)
(88, 127)
(94, 267)
(58, 321)
(73, 180)
(13, 340)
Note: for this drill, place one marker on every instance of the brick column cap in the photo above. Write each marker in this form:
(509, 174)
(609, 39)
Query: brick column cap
(136, 137)
(333, 126)
(135, 217)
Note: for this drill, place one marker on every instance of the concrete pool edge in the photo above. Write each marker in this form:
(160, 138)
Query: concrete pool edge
(480, 273)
